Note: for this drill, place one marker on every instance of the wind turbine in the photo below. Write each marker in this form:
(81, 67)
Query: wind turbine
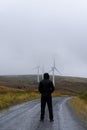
(42, 71)
(38, 70)
(53, 69)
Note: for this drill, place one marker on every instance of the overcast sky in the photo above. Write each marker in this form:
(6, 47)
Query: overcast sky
(34, 32)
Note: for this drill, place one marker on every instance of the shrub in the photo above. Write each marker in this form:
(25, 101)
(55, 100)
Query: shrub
(84, 96)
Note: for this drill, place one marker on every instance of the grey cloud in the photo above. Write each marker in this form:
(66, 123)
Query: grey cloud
(34, 32)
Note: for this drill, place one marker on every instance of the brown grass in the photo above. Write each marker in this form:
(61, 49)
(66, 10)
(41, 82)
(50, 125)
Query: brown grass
(80, 108)
(11, 96)
(61, 93)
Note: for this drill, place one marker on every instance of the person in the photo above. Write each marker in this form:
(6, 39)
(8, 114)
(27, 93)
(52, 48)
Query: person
(46, 88)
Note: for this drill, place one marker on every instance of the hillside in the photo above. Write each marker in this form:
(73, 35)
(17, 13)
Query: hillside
(74, 85)
(70, 85)
(21, 88)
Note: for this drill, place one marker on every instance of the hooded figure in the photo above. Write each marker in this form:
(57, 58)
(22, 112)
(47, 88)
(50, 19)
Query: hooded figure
(46, 88)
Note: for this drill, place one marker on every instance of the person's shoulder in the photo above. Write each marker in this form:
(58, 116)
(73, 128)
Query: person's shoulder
(50, 81)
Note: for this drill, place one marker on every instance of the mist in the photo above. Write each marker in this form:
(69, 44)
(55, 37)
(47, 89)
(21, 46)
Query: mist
(34, 33)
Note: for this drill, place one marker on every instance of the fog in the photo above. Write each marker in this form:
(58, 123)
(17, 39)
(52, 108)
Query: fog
(34, 33)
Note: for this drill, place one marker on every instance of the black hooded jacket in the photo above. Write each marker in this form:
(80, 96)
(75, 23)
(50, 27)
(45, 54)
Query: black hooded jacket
(46, 87)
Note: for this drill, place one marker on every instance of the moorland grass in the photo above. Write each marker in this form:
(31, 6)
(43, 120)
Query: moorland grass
(80, 108)
(84, 96)
(11, 96)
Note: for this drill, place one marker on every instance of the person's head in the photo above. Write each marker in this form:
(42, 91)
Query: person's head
(46, 76)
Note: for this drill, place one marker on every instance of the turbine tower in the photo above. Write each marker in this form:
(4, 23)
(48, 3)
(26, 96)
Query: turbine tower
(53, 69)
(42, 71)
(38, 77)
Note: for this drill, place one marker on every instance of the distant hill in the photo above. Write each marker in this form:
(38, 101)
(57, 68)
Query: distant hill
(19, 81)
(71, 79)
(74, 85)
(64, 84)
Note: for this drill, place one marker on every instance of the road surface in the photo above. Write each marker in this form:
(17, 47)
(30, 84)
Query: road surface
(26, 117)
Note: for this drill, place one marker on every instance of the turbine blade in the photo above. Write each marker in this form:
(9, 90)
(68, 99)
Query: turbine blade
(54, 62)
(57, 70)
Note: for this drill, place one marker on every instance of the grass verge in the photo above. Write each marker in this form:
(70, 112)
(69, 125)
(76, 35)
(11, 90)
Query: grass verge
(11, 96)
(80, 108)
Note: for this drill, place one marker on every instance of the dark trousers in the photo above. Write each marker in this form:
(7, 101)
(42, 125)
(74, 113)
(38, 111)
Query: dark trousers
(48, 100)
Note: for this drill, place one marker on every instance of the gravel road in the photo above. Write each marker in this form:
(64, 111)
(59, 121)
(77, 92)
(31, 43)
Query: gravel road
(26, 117)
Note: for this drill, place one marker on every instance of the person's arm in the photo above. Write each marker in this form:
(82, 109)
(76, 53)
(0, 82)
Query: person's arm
(52, 88)
(40, 87)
